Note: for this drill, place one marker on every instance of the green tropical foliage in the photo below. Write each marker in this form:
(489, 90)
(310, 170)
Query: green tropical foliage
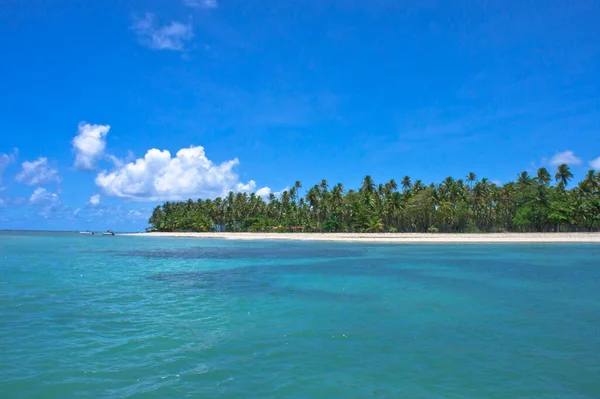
(531, 204)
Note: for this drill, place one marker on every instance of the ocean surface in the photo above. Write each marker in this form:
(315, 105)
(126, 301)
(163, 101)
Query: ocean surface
(141, 317)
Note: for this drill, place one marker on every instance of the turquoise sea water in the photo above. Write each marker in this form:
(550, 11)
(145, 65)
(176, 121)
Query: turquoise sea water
(141, 317)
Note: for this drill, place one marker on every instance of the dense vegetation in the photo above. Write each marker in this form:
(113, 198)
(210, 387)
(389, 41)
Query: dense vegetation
(531, 204)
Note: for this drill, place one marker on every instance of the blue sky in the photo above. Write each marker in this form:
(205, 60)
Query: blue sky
(96, 92)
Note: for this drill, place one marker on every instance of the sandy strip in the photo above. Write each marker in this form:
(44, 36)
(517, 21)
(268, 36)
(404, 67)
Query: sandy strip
(396, 238)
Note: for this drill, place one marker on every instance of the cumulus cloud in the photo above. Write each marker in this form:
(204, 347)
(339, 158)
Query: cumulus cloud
(37, 172)
(5, 160)
(95, 200)
(173, 36)
(595, 163)
(201, 3)
(41, 196)
(263, 192)
(160, 177)
(567, 157)
(89, 145)
(246, 188)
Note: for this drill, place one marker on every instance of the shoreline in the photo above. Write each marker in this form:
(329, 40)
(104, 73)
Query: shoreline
(398, 238)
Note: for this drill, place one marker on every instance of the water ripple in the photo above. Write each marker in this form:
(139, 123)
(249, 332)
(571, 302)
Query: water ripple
(178, 319)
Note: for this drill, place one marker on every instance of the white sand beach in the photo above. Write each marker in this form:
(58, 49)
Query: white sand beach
(397, 237)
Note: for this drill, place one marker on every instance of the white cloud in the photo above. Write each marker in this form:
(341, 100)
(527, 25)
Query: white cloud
(201, 3)
(41, 196)
(595, 163)
(167, 37)
(160, 177)
(263, 192)
(89, 145)
(48, 205)
(95, 200)
(7, 159)
(76, 211)
(567, 157)
(135, 214)
(37, 172)
(246, 188)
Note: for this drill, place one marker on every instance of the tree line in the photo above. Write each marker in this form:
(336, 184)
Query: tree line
(530, 204)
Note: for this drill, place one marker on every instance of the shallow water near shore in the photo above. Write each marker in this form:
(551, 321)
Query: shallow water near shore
(144, 317)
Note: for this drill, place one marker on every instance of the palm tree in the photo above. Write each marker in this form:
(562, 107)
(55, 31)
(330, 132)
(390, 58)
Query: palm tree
(295, 193)
(543, 176)
(591, 181)
(374, 225)
(368, 185)
(312, 196)
(393, 186)
(449, 205)
(324, 203)
(418, 186)
(297, 187)
(324, 186)
(406, 183)
(471, 178)
(524, 179)
(337, 196)
(563, 175)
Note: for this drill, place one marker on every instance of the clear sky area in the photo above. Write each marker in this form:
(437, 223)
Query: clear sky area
(109, 108)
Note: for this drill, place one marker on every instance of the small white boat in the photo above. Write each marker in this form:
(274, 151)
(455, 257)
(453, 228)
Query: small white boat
(87, 232)
(108, 233)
